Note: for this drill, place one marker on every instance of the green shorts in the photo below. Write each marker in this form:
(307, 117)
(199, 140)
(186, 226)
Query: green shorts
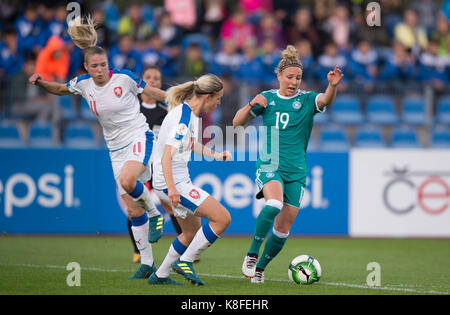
(293, 190)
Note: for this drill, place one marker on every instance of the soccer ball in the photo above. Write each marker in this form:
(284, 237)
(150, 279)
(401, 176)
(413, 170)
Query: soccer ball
(304, 269)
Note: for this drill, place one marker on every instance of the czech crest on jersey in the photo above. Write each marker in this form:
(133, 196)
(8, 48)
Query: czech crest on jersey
(118, 91)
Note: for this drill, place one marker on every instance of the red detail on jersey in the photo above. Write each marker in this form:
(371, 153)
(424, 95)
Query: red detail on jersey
(118, 91)
(194, 194)
(139, 147)
(191, 143)
(93, 106)
(138, 242)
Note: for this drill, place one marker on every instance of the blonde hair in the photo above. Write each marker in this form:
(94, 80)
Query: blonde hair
(206, 84)
(289, 59)
(84, 36)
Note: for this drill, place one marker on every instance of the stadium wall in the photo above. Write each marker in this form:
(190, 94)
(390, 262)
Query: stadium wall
(360, 193)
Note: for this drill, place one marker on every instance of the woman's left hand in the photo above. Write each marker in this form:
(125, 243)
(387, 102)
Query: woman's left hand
(224, 156)
(335, 76)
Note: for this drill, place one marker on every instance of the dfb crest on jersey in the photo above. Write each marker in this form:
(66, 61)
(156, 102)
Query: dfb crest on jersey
(296, 105)
(118, 91)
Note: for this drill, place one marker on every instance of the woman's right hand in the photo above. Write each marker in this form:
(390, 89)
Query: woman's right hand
(258, 100)
(34, 78)
(174, 197)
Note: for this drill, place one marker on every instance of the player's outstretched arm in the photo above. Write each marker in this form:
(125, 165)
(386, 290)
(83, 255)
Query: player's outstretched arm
(243, 116)
(51, 87)
(334, 78)
(154, 93)
(205, 151)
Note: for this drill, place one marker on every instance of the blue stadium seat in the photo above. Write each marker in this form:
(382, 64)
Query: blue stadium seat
(440, 137)
(79, 135)
(369, 136)
(413, 111)
(9, 135)
(41, 135)
(67, 107)
(443, 110)
(381, 110)
(404, 136)
(346, 109)
(333, 138)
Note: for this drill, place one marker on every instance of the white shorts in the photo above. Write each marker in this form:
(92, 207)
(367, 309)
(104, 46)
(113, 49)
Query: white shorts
(191, 197)
(139, 150)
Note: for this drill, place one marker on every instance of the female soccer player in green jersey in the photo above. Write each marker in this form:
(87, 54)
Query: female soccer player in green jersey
(281, 168)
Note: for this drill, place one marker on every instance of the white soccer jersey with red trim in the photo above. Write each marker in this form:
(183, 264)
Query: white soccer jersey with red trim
(115, 104)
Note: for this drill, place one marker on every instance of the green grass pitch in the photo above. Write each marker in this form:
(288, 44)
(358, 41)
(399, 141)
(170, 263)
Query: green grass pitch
(37, 265)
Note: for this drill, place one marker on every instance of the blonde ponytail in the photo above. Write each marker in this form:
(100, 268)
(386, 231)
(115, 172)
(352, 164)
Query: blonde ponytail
(289, 59)
(206, 84)
(83, 35)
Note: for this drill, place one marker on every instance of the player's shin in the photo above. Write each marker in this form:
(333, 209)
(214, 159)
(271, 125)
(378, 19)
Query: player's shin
(274, 245)
(140, 227)
(175, 251)
(204, 238)
(264, 223)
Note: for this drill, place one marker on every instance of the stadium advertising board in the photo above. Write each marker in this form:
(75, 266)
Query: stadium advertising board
(68, 191)
(400, 193)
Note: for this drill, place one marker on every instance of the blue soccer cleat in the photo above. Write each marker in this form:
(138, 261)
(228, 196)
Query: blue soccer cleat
(156, 228)
(161, 281)
(186, 269)
(143, 272)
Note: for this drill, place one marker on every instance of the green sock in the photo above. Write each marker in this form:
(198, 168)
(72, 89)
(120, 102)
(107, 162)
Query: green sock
(264, 223)
(273, 246)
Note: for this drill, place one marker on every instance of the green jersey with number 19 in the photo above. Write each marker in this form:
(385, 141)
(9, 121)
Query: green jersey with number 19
(288, 123)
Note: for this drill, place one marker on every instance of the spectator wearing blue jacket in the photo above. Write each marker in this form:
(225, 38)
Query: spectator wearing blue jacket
(364, 64)
(11, 56)
(327, 61)
(227, 61)
(29, 27)
(124, 56)
(433, 68)
(270, 56)
(155, 54)
(398, 65)
(251, 70)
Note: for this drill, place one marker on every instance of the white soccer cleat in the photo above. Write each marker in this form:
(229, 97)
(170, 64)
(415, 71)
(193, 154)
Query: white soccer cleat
(249, 265)
(259, 277)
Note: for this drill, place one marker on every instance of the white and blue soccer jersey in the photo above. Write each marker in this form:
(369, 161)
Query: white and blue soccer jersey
(179, 129)
(115, 104)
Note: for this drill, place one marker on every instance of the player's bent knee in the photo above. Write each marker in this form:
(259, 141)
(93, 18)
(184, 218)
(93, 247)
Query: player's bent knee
(127, 182)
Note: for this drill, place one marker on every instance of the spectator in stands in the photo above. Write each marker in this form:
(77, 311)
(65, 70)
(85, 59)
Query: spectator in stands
(133, 25)
(53, 61)
(169, 32)
(328, 60)
(255, 9)
(11, 56)
(237, 29)
(305, 54)
(410, 34)
(433, 67)
(124, 56)
(251, 69)
(429, 10)
(104, 36)
(268, 27)
(364, 64)
(47, 14)
(214, 12)
(303, 28)
(227, 61)
(270, 56)
(28, 102)
(58, 24)
(399, 64)
(192, 63)
(28, 27)
(442, 35)
(341, 28)
(155, 54)
(284, 11)
(182, 12)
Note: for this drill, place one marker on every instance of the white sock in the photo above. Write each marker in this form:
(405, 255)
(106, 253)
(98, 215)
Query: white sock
(204, 237)
(164, 270)
(140, 234)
